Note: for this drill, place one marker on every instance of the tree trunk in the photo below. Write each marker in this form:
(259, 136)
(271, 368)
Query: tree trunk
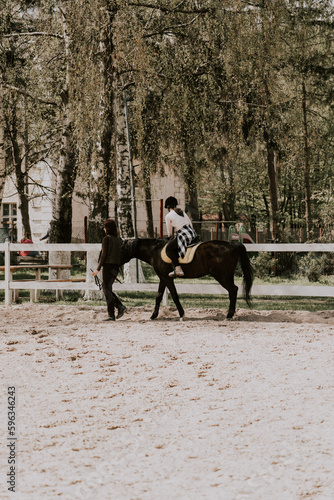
(102, 172)
(191, 186)
(2, 149)
(192, 200)
(21, 180)
(273, 189)
(98, 207)
(124, 180)
(61, 224)
(227, 179)
(21, 174)
(123, 174)
(148, 203)
(307, 188)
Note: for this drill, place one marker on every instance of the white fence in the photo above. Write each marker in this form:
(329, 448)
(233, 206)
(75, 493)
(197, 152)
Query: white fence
(276, 290)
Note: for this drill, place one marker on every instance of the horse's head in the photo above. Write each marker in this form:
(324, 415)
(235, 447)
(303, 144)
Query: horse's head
(128, 250)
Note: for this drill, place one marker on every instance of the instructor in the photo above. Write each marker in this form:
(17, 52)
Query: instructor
(110, 261)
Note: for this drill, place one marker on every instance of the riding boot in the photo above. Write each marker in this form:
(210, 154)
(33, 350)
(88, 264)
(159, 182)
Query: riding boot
(177, 272)
(109, 318)
(119, 305)
(111, 312)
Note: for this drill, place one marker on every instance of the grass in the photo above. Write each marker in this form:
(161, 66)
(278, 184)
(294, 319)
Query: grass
(136, 299)
(312, 304)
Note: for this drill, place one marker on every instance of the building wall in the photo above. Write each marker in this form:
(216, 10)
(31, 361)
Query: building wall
(40, 206)
(162, 187)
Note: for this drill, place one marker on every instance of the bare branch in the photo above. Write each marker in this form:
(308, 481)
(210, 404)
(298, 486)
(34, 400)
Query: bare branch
(127, 85)
(169, 29)
(29, 94)
(44, 188)
(33, 33)
(163, 8)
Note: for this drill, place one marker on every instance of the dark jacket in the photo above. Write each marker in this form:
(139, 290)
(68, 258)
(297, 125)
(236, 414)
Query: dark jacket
(111, 251)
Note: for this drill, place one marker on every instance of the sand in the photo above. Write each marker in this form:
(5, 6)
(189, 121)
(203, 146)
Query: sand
(138, 409)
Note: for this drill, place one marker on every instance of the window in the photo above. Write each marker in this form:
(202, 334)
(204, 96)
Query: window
(8, 214)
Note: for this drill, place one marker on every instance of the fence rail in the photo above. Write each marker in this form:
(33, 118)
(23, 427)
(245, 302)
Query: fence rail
(275, 290)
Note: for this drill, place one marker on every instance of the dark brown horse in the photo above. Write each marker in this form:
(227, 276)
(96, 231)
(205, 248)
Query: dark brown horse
(218, 258)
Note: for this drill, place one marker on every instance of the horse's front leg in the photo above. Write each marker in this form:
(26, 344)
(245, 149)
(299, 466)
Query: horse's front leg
(175, 297)
(160, 294)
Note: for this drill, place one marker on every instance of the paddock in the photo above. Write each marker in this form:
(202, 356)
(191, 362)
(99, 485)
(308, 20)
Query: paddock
(141, 409)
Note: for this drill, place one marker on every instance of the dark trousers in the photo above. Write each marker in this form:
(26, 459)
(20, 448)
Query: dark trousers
(172, 252)
(109, 276)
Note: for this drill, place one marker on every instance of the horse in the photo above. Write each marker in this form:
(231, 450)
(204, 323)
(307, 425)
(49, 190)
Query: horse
(216, 258)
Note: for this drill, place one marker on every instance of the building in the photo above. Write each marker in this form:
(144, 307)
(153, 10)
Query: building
(40, 205)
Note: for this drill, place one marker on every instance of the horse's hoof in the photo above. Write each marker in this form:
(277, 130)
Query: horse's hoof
(154, 316)
(182, 318)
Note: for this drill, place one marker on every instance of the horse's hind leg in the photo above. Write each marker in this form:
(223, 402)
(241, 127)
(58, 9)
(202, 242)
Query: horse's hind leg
(232, 293)
(228, 284)
(161, 290)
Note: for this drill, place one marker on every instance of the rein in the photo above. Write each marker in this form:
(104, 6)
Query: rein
(99, 283)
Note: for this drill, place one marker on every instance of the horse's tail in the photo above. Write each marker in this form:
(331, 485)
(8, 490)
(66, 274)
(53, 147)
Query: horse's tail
(247, 270)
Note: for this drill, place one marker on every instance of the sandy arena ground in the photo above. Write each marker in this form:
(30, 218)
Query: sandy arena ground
(140, 409)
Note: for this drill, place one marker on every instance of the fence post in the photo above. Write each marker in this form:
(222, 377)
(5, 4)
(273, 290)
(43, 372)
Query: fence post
(165, 297)
(8, 296)
(85, 235)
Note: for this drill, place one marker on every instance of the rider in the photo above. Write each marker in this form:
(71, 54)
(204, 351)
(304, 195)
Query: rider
(185, 235)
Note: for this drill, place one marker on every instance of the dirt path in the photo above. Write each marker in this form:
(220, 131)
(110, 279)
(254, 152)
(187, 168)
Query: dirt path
(204, 409)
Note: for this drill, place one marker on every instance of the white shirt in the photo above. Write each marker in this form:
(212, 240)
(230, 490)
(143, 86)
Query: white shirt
(174, 220)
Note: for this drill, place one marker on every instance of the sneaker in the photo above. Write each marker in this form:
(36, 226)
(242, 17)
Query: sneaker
(109, 318)
(121, 311)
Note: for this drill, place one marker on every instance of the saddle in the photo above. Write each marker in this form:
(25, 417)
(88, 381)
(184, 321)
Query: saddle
(190, 253)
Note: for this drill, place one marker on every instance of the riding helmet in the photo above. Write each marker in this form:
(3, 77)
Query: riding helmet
(171, 202)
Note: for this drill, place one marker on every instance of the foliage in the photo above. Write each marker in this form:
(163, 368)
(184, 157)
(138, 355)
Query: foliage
(314, 265)
(263, 264)
(212, 87)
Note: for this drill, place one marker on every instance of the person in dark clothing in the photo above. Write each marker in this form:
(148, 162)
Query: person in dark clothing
(46, 236)
(109, 261)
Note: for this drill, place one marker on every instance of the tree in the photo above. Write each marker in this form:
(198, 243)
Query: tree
(2, 148)
(23, 106)
(234, 95)
(61, 224)
(13, 65)
(311, 62)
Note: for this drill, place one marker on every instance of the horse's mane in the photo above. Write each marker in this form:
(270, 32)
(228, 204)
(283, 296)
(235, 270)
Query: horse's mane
(157, 242)
(160, 242)
(131, 245)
